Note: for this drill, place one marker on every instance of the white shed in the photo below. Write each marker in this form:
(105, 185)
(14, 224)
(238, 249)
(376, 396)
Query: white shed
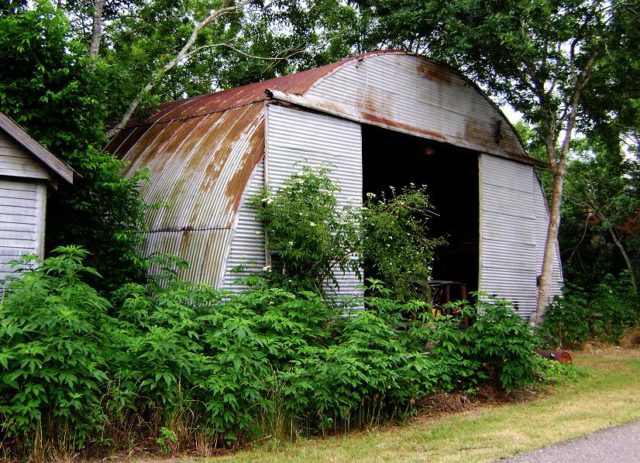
(379, 119)
(26, 169)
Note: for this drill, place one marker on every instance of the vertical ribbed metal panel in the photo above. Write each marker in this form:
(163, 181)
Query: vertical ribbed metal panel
(541, 211)
(297, 138)
(247, 244)
(509, 263)
(417, 96)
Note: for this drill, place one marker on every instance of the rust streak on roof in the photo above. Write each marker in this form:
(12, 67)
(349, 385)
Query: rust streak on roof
(294, 84)
(378, 120)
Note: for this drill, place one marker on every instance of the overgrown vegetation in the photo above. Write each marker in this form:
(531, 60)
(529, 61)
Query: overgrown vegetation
(388, 237)
(169, 365)
(603, 315)
(65, 100)
(166, 366)
(396, 244)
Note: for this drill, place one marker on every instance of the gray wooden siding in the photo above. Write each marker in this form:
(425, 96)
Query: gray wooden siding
(16, 162)
(22, 218)
(514, 218)
(247, 242)
(297, 138)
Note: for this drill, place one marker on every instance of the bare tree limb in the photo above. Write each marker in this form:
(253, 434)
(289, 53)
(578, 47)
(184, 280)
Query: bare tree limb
(178, 58)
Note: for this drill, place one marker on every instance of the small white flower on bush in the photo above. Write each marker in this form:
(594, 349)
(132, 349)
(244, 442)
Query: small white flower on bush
(266, 268)
(268, 200)
(312, 224)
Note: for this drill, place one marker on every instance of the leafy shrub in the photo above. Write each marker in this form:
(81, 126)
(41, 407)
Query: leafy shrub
(504, 343)
(54, 352)
(307, 232)
(396, 246)
(177, 363)
(604, 316)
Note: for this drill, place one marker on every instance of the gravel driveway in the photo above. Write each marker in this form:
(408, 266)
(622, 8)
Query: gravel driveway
(617, 445)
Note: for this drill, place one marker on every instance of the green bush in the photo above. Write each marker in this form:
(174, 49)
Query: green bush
(396, 246)
(54, 352)
(602, 316)
(504, 343)
(307, 234)
(173, 363)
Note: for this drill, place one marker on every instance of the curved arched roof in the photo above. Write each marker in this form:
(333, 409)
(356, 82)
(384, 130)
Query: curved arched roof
(201, 151)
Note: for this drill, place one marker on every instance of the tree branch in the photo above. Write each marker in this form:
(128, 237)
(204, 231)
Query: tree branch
(182, 54)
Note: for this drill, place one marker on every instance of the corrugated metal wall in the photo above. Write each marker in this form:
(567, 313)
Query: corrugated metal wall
(247, 242)
(199, 170)
(296, 138)
(417, 96)
(513, 218)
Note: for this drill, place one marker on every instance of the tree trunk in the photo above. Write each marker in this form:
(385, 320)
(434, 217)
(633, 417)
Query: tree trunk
(544, 287)
(625, 256)
(96, 31)
(559, 166)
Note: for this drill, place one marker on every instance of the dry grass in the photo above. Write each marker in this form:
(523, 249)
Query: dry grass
(606, 396)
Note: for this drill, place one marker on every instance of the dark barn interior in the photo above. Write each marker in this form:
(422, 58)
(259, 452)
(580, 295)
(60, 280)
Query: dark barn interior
(451, 175)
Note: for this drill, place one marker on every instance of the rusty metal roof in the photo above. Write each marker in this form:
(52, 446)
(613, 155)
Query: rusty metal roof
(201, 105)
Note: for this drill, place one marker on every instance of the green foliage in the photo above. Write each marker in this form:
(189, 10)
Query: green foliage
(65, 101)
(54, 352)
(177, 362)
(603, 316)
(388, 237)
(504, 343)
(307, 232)
(396, 245)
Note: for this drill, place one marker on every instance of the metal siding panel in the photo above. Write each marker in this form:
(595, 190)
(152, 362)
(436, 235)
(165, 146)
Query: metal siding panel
(508, 247)
(202, 249)
(412, 93)
(247, 244)
(199, 169)
(298, 138)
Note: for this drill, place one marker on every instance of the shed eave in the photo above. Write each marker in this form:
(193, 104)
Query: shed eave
(16, 132)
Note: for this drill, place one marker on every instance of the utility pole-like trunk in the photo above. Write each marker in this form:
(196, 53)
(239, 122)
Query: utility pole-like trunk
(558, 162)
(96, 30)
(544, 288)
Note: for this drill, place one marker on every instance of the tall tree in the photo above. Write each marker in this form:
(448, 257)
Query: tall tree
(538, 56)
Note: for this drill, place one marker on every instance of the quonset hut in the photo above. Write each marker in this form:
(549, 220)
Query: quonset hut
(379, 119)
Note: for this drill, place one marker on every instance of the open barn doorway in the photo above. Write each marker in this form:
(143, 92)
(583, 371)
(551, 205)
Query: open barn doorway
(451, 175)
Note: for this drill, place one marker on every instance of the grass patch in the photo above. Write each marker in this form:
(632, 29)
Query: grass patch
(605, 396)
